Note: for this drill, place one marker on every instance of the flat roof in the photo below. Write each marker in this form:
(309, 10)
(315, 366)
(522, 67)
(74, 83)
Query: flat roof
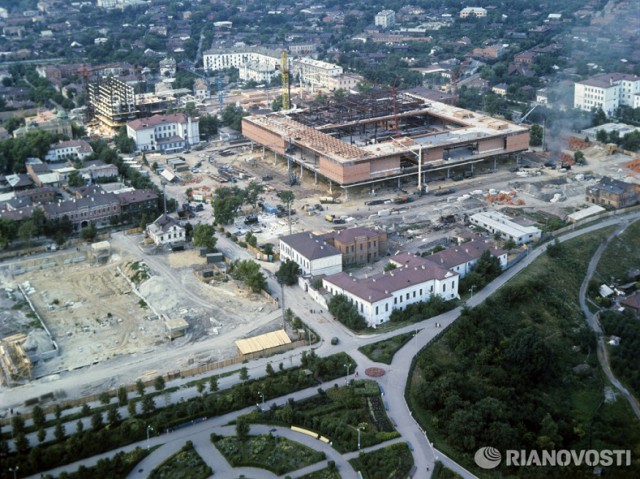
(263, 342)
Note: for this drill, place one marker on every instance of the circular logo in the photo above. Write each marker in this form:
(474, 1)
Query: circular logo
(487, 457)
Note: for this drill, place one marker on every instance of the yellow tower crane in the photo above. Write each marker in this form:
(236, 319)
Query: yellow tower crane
(284, 69)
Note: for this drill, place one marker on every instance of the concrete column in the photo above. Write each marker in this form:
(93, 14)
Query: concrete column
(494, 163)
(346, 193)
(301, 172)
(275, 159)
(399, 183)
(330, 187)
(448, 172)
(315, 177)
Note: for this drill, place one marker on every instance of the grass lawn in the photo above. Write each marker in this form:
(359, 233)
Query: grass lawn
(383, 351)
(392, 462)
(441, 472)
(275, 454)
(185, 464)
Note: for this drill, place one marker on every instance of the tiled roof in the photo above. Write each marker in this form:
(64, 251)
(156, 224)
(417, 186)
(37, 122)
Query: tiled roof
(350, 235)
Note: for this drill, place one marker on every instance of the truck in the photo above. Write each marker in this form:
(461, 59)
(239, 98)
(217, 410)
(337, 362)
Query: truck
(402, 199)
(444, 191)
(329, 218)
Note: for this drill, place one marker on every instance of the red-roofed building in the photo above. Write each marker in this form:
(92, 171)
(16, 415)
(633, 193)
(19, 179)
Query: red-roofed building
(358, 245)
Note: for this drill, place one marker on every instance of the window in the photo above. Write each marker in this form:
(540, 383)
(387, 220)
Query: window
(420, 292)
(386, 307)
(407, 296)
(414, 294)
(376, 310)
(395, 300)
(361, 245)
(444, 287)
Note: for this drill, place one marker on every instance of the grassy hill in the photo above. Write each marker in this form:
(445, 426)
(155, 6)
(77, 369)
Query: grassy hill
(520, 372)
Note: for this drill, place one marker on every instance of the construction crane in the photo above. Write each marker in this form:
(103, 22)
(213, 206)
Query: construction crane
(286, 87)
(527, 114)
(220, 93)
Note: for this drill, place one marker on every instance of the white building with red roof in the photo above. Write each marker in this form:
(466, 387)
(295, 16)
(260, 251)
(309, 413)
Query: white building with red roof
(166, 133)
(377, 296)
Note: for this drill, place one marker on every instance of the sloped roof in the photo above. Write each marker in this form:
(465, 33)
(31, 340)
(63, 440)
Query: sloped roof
(310, 246)
(263, 342)
(156, 120)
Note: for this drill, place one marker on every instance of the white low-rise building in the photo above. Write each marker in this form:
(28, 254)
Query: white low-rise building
(496, 222)
(376, 297)
(167, 133)
(223, 59)
(473, 12)
(313, 255)
(166, 231)
(68, 150)
(316, 73)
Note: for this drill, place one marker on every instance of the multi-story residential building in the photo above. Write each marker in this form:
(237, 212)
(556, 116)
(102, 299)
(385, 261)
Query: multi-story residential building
(346, 81)
(221, 60)
(385, 18)
(68, 150)
(167, 133)
(613, 193)
(376, 297)
(607, 91)
(312, 253)
(498, 223)
(358, 245)
(473, 12)
(112, 101)
(315, 73)
(91, 205)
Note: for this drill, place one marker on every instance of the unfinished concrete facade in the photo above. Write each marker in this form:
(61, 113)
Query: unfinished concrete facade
(373, 137)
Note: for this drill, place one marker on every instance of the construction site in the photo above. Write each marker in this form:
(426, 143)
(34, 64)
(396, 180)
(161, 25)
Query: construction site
(383, 135)
(71, 310)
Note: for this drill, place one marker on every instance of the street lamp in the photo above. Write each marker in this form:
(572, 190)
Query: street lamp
(262, 396)
(360, 427)
(471, 290)
(416, 336)
(347, 365)
(149, 428)
(15, 471)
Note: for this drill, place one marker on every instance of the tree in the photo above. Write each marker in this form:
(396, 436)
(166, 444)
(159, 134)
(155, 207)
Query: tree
(59, 431)
(249, 272)
(226, 203)
(188, 231)
(113, 415)
(200, 388)
(159, 383)
(232, 116)
(276, 104)
(89, 233)
(21, 443)
(85, 410)
(509, 244)
(123, 142)
(535, 135)
(242, 428)
(27, 231)
(79, 426)
(96, 421)
(132, 407)
(579, 158)
(244, 374)
(208, 126)
(42, 434)
(203, 236)
(38, 416)
(602, 136)
(346, 312)
(269, 370)
(288, 273)
(148, 405)
(252, 194)
(599, 117)
(8, 232)
(104, 397)
(75, 179)
(213, 384)
(122, 396)
(140, 387)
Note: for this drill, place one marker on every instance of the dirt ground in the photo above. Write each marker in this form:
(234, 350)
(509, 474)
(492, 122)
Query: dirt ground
(94, 314)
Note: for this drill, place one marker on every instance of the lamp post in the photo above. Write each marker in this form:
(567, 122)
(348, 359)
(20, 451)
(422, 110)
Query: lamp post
(347, 365)
(262, 396)
(149, 428)
(360, 427)
(416, 336)
(15, 471)
(471, 290)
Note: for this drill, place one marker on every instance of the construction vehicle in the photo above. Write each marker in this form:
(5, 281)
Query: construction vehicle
(443, 192)
(329, 218)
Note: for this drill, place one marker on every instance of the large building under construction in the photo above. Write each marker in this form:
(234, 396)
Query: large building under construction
(381, 135)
